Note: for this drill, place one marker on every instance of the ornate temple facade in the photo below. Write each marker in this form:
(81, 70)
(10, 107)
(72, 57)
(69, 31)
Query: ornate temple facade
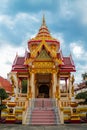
(43, 85)
(43, 68)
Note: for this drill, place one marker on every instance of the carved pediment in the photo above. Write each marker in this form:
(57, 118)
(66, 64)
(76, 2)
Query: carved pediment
(43, 64)
(43, 55)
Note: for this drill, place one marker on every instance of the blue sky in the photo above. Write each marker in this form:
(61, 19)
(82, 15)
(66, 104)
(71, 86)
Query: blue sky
(21, 19)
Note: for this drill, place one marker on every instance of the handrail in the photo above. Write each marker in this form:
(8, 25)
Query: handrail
(60, 110)
(24, 115)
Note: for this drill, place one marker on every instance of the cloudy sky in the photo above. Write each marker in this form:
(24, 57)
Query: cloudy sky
(21, 19)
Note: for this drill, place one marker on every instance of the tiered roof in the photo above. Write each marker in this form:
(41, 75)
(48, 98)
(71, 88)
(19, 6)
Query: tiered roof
(18, 64)
(68, 65)
(43, 33)
(43, 39)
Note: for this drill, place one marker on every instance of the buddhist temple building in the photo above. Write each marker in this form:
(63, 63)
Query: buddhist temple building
(42, 68)
(43, 84)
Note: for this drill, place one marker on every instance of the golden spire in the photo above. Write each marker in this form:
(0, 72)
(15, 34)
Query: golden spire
(43, 20)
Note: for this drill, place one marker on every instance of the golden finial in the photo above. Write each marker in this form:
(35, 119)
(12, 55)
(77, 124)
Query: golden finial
(43, 20)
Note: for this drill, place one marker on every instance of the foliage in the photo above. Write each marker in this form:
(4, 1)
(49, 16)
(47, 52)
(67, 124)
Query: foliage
(86, 83)
(84, 75)
(82, 95)
(24, 86)
(3, 95)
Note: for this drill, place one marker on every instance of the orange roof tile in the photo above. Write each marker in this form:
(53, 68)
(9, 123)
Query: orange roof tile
(4, 83)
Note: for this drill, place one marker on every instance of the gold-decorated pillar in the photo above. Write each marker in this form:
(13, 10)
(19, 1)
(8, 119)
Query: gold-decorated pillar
(32, 84)
(54, 82)
(14, 80)
(20, 85)
(70, 87)
(58, 87)
(16, 83)
(66, 85)
(28, 85)
(72, 82)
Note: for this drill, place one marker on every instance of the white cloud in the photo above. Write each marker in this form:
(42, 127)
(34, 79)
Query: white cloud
(66, 9)
(7, 20)
(80, 69)
(11, 21)
(78, 50)
(81, 8)
(74, 9)
(3, 5)
(60, 38)
(80, 58)
(7, 55)
(25, 17)
(7, 50)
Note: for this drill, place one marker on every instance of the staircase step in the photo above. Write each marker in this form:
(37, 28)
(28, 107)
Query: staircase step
(48, 124)
(43, 116)
(47, 121)
(48, 113)
(42, 113)
(43, 120)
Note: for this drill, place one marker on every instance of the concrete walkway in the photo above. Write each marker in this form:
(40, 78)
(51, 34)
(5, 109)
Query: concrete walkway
(59, 127)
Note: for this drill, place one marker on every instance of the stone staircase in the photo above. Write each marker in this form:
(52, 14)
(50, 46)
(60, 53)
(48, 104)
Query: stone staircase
(43, 117)
(43, 112)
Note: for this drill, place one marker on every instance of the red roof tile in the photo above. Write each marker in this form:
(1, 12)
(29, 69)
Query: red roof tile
(4, 83)
(68, 65)
(20, 61)
(67, 61)
(19, 64)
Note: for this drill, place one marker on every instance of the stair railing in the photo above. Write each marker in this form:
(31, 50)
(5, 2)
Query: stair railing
(60, 110)
(24, 115)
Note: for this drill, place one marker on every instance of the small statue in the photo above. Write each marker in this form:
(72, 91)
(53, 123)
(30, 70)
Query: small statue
(57, 92)
(73, 79)
(12, 80)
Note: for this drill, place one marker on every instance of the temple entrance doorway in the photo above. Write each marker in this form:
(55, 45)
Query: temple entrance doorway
(44, 91)
(43, 85)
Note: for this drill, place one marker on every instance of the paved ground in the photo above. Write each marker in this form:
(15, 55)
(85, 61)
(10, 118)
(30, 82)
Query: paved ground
(59, 127)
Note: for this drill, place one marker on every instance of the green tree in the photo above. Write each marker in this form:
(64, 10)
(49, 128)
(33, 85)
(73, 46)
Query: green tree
(3, 95)
(84, 76)
(82, 95)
